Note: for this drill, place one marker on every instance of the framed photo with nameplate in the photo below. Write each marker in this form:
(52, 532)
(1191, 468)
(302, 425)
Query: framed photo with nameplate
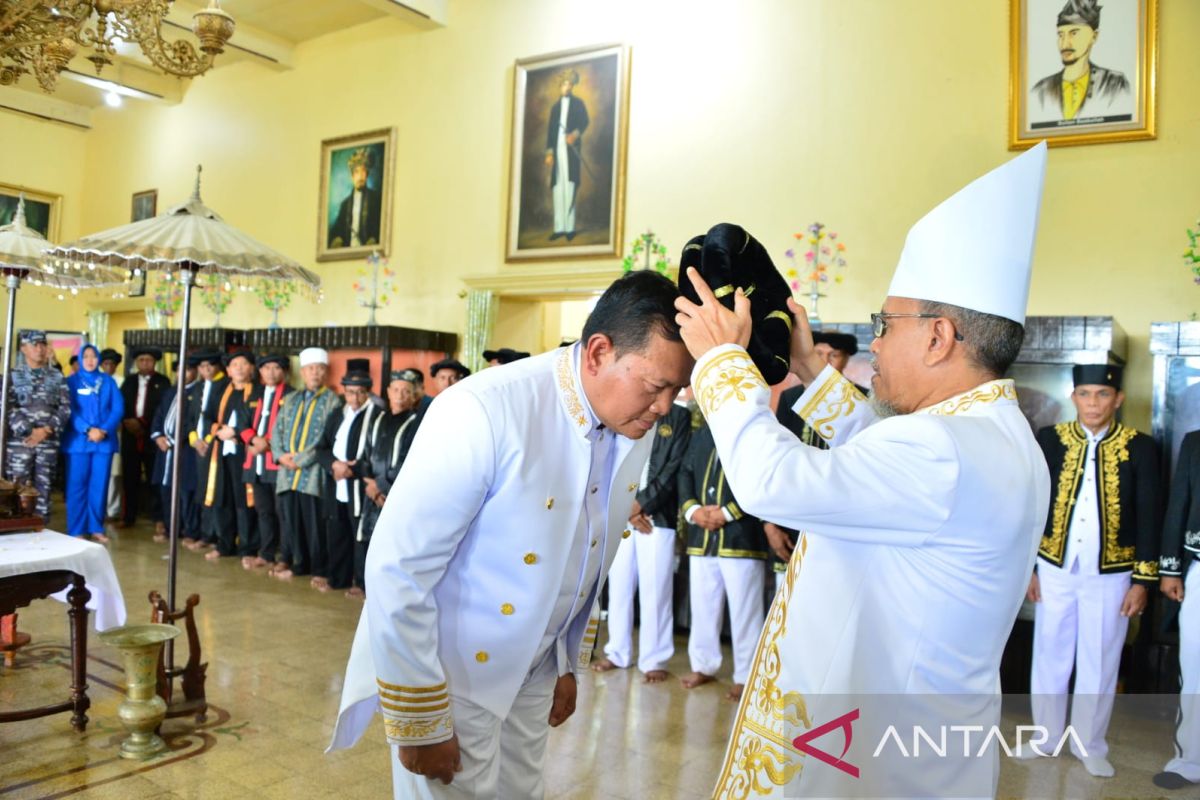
(567, 168)
(1082, 71)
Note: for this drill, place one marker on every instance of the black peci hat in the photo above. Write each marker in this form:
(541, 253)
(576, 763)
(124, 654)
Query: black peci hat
(108, 354)
(450, 363)
(505, 355)
(357, 378)
(844, 342)
(1098, 375)
(273, 358)
(729, 258)
(241, 352)
(153, 352)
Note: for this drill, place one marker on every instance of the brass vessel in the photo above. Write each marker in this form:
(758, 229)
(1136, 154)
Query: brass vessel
(143, 710)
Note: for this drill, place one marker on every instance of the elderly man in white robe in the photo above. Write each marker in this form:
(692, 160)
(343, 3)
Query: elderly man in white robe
(488, 557)
(919, 525)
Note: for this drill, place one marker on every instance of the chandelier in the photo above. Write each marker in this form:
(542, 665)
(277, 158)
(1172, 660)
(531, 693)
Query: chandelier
(42, 36)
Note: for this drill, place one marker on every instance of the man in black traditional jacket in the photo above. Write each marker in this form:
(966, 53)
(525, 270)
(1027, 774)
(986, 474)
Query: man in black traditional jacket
(200, 417)
(1097, 560)
(259, 468)
(142, 393)
(728, 554)
(342, 447)
(389, 439)
(164, 435)
(645, 561)
(1180, 546)
(227, 496)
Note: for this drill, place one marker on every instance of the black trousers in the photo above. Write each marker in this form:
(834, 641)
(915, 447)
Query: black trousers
(303, 529)
(267, 512)
(360, 562)
(136, 468)
(340, 539)
(230, 514)
(189, 511)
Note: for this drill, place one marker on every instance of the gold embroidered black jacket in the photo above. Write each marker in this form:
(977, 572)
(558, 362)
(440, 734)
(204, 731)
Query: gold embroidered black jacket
(702, 483)
(1128, 492)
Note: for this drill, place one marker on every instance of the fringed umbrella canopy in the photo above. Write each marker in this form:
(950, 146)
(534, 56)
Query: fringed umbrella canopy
(187, 236)
(23, 253)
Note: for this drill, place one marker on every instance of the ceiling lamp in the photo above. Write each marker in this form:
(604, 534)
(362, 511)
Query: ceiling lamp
(42, 36)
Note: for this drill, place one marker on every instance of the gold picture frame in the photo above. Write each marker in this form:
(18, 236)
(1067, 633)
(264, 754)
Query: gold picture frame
(144, 205)
(338, 236)
(1113, 100)
(582, 215)
(42, 209)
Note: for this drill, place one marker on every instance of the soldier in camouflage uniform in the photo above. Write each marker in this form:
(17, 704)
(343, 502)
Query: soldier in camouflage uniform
(39, 407)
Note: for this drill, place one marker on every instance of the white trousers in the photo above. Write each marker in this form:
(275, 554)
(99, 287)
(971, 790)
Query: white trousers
(1079, 623)
(1187, 737)
(501, 758)
(644, 562)
(563, 190)
(710, 580)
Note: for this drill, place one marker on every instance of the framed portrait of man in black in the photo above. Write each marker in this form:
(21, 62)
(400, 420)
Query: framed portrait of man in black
(1082, 72)
(41, 209)
(567, 170)
(354, 215)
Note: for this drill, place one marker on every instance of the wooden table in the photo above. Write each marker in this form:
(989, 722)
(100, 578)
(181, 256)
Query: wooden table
(18, 591)
(77, 572)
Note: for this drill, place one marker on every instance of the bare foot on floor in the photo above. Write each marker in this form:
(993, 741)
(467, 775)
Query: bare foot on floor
(283, 574)
(656, 676)
(735, 693)
(159, 538)
(213, 555)
(604, 665)
(694, 679)
(99, 538)
(320, 584)
(355, 593)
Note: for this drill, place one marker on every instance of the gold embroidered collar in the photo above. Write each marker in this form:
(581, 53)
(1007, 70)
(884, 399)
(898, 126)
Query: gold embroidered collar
(998, 391)
(570, 392)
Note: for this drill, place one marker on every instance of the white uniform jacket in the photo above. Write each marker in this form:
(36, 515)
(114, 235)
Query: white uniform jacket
(919, 534)
(468, 556)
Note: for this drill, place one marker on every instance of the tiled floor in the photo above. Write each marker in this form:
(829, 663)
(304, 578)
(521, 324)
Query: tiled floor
(276, 653)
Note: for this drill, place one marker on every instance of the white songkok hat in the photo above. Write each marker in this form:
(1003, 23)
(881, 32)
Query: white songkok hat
(313, 355)
(975, 250)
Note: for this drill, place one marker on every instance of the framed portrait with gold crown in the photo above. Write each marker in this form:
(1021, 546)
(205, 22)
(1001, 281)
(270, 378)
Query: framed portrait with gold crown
(1081, 71)
(354, 212)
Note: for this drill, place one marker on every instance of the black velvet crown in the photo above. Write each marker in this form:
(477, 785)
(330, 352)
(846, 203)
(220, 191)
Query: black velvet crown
(729, 258)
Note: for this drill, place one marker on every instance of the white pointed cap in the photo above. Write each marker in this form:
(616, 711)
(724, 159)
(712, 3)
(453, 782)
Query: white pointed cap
(975, 250)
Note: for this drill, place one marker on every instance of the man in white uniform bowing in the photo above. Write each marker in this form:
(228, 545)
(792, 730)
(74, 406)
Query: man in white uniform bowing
(487, 559)
(918, 527)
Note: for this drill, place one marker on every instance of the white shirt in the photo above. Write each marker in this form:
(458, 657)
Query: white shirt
(143, 385)
(356, 210)
(229, 448)
(1082, 555)
(340, 441)
(263, 420)
(203, 408)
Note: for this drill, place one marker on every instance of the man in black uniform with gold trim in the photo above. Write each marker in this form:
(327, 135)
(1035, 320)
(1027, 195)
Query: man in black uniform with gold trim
(727, 557)
(1097, 560)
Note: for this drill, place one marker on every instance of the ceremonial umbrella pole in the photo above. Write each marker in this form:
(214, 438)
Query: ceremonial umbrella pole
(185, 239)
(23, 255)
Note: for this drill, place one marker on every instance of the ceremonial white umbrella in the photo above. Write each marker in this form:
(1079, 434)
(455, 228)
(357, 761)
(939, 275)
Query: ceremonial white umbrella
(22, 254)
(185, 239)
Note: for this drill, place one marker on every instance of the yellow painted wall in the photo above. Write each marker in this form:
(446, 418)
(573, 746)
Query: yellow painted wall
(772, 113)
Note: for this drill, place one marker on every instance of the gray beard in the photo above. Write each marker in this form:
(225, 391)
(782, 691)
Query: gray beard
(882, 408)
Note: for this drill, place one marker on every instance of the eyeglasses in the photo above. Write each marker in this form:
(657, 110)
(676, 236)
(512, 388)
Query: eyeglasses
(880, 326)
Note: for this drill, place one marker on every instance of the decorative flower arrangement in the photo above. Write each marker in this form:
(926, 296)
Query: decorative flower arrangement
(168, 295)
(375, 292)
(823, 257)
(275, 296)
(216, 295)
(1191, 256)
(653, 254)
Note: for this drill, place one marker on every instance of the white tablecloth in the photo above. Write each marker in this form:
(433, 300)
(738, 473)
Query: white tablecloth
(23, 553)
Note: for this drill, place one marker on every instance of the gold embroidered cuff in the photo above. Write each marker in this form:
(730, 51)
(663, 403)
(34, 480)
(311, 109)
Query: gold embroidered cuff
(1145, 570)
(588, 644)
(835, 398)
(728, 375)
(415, 714)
